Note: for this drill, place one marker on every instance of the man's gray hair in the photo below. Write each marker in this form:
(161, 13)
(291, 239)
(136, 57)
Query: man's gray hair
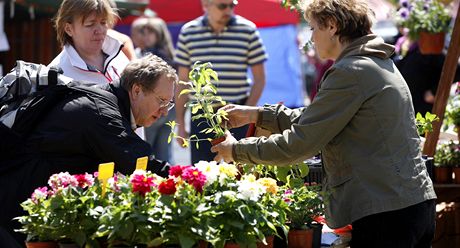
(146, 71)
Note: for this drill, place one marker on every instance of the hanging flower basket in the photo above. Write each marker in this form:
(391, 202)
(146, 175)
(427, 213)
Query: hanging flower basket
(431, 43)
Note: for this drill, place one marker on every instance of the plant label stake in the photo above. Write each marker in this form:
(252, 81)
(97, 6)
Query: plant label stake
(141, 163)
(105, 172)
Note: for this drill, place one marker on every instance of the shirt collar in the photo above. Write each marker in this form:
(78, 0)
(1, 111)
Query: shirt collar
(205, 21)
(133, 122)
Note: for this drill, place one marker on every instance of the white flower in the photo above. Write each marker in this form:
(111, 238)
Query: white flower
(209, 169)
(249, 189)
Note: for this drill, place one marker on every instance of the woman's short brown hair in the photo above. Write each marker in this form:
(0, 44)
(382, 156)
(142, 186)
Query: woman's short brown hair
(353, 18)
(71, 10)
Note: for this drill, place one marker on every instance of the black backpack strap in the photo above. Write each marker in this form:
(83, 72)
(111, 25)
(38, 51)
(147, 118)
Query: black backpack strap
(53, 73)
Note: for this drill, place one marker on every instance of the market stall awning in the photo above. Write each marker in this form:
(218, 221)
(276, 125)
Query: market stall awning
(263, 13)
(52, 5)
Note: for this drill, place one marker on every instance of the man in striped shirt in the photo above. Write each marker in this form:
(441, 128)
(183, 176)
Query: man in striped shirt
(232, 44)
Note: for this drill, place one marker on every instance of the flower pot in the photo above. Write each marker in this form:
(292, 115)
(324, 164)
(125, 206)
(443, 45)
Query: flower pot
(68, 245)
(300, 238)
(430, 43)
(317, 232)
(443, 174)
(41, 245)
(203, 244)
(217, 140)
(457, 129)
(456, 171)
(231, 245)
(269, 244)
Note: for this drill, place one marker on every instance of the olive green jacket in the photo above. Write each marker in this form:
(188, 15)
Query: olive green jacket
(362, 120)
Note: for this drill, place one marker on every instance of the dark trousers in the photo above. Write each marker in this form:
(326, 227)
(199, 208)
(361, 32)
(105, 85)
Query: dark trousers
(411, 227)
(204, 150)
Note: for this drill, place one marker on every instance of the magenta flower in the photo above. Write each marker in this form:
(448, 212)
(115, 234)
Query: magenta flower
(176, 171)
(142, 184)
(84, 180)
(167, 187)
(194, 177)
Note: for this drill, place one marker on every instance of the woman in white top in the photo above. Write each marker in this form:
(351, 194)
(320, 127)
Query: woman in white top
(88, 53)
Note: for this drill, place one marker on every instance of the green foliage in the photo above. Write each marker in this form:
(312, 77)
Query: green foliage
(305, 203)
(425, 124)
(447, 154)
(292, 175)
(130, 218)
(64, 214)
(423, 15)
(453, 111)
(293, 5)
(203, 101)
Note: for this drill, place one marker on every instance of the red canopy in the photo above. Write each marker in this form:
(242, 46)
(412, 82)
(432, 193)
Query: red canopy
(262, 12)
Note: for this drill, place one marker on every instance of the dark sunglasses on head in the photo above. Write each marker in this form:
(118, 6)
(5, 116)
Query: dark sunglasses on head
(223, 6)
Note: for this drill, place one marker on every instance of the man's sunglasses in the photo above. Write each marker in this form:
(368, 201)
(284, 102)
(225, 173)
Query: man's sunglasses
(223, 6)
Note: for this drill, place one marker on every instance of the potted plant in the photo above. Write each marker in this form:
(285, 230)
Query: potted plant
(130, 217)
(67, 212)
(447, 156)
(204, 98)
(427, 21)
(34, 223)
(453, 111)
(305, 204)
(242, 212)
(186, 215)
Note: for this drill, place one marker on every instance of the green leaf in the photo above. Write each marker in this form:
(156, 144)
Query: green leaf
(304, 170)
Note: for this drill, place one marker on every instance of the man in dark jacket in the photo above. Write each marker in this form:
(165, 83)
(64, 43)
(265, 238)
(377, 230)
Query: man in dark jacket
(86, 129)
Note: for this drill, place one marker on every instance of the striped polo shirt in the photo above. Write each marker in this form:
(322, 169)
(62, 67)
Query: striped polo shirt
(230, 52)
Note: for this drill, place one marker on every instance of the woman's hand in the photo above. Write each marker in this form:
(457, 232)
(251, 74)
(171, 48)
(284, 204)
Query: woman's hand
(224, 149)
(240, 115)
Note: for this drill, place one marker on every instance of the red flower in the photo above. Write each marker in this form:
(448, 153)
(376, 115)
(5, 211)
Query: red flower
(176, 171)
(167, 187)
(194, 177)
(142, 184)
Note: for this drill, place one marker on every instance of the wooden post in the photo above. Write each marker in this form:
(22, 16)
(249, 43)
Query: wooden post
(445, 83)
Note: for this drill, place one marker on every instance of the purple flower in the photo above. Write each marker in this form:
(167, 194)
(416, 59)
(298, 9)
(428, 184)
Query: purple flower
(404, 13)
(404, 3)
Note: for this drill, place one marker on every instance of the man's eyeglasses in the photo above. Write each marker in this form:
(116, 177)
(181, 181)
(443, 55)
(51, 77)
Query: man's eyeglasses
(223, 6)
(164, 104)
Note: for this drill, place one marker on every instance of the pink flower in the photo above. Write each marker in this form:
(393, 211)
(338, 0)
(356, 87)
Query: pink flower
(177, 170)
(288, 192)
(62, 180)
(167, 187)
(84, 180)
(142, 184)
(194, 177)
(39, 194)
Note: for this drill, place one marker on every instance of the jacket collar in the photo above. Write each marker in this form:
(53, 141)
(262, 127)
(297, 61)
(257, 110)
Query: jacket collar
(123, 98)
(111, 47)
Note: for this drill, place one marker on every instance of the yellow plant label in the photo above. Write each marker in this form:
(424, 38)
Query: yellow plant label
(141, 163)
(105, 172)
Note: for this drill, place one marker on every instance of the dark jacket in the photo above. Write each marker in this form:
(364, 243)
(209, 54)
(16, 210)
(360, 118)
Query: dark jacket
(76, 135)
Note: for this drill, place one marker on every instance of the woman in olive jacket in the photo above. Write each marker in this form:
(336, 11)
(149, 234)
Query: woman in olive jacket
(362, 121)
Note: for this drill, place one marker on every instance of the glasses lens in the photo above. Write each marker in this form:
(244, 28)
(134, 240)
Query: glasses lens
(223, 6)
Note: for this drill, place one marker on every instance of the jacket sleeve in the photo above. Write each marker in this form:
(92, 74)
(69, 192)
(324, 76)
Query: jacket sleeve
(334, 106)
(111, 139)
(277, 118)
